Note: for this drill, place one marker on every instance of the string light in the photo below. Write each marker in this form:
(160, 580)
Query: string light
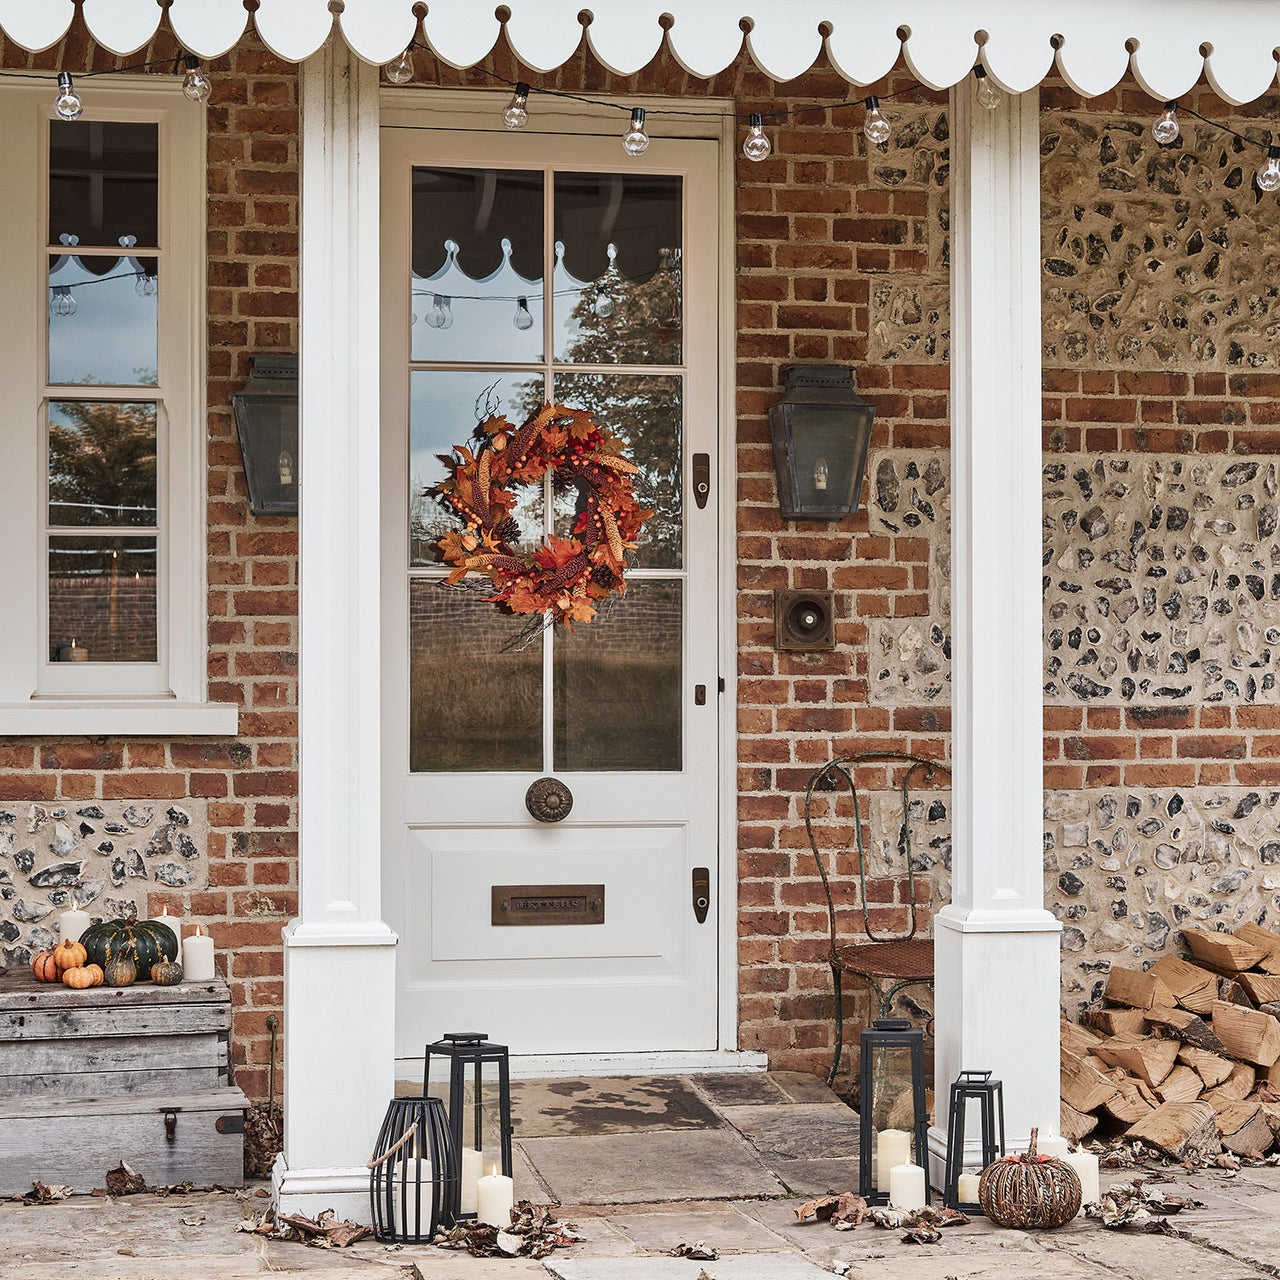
(635, 142)
(516, 116)
(400, 70)
(68, 103)
(988, 92)
(756, 146)
(522, 320)
(1166, 129)
(875, 126)
(63, 302)
(1269, 174)
(196, 86)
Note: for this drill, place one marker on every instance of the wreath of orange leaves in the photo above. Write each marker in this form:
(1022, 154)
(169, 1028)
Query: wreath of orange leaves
(565, 577)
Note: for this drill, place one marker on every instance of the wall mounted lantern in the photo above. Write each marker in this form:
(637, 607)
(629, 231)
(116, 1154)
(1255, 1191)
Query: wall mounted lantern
(821, 428)
(267, 423)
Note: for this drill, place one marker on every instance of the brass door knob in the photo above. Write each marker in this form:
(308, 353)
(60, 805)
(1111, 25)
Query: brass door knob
(548, 800)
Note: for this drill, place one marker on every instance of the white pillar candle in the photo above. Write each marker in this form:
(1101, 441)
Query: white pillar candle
(176, 925)
(412, 1215)
(495, 1198)
(71, 924)
(470, 1176)
(907, 1187)
(967, 1187)
(893, 1147)
(1085, 1164)
(1052, 1146)
(197, 953)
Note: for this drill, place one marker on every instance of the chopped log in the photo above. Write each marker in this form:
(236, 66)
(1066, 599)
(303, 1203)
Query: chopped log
(1143, 1056)
(1183, 1130)
(1271, 1110)
(1212, 1068)
(1182, 1084)
(1092, 1060)
(1148, 1093)
(1270, 1006)
(1128, 1106)
(1257, 936)
(1193, 988)
(1136, 989)
(1262, 988)
(1222, 951)
(1115, 1022)
(1247, 1034)
(1243, 1128)
(1075, 1126)
(1083, 1087)
(1237, 1086)
(1186, 1026)
(1076, 1039)
(1230, 990)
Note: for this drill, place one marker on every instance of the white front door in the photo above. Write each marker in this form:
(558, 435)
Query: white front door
(519, 269)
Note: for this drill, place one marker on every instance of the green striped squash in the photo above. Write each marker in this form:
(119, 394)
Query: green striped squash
(146, 942)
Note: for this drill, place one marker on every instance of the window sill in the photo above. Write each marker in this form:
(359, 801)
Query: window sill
(159, 718)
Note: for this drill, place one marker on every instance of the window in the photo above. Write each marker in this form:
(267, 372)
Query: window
(102, 414)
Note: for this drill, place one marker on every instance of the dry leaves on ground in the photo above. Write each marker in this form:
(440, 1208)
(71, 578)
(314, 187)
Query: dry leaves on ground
(844, 1211)
(1133, 1204)
(41, 1193)
(324, 1231)
(124, 1181)
(533, 1233)
(699, 1251)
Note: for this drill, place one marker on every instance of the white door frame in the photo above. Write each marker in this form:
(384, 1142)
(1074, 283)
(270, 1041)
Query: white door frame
(481, 110)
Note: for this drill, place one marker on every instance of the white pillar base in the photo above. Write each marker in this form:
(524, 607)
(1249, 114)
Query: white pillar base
(312, 1191)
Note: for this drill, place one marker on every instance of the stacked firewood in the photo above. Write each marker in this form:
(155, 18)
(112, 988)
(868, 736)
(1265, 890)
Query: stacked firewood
(1184, 1056)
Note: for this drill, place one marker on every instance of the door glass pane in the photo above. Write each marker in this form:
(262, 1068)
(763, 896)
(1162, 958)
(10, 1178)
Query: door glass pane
(618, 290)
(646, 411)
(103, 182)
(102, 320)
(475, 692)
(444, 409)
(617, 684)
(102, 599)
(477, 265)
(102, 463)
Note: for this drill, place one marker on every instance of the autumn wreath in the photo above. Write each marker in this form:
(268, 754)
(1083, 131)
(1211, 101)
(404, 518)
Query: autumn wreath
(564, 578)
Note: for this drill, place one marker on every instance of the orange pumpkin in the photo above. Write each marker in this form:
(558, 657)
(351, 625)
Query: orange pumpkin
(69, 955)
(45, 967)
(87, 975)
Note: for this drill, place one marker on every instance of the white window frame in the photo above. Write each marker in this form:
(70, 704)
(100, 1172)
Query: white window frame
(169, 696)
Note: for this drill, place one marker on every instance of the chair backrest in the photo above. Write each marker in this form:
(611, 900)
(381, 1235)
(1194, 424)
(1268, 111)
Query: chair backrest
(826, 779)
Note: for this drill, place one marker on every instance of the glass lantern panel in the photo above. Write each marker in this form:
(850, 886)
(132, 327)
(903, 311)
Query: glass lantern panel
(822, 456)
(890, 1109)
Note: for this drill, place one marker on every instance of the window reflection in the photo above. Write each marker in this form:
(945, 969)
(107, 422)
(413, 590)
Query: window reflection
(102, 320)
(103, 181)
(102, 599)
(102, 463)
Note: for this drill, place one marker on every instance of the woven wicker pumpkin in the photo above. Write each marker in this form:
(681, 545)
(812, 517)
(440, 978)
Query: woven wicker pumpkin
(1029, 1190)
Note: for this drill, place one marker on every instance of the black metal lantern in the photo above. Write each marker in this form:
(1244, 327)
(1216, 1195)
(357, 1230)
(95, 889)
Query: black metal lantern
(266, 413)
(989, 1094)
(821, 428)
(893, 1110)
(413, 1176)
(470, 1052)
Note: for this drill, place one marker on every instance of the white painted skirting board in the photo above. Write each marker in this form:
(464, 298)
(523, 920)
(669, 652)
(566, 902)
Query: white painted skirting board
(556, 1066)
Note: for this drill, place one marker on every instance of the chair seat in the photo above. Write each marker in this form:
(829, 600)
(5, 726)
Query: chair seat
(904, 958)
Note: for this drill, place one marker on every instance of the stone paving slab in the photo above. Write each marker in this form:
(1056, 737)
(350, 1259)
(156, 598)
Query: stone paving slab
(742, 1090)
(721, 1227)
(565, 1108)
(817, 1177)
(741, 1266)
(801, 1131)
(800, 1086)
(646, 1168)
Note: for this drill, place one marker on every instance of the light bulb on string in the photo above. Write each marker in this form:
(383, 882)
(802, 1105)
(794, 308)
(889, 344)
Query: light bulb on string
(145, 284)
(1269, 174)
(522, 320)
(67, 104)
(435, 317)
(63, 302)
(635, 142)
(603, 304)
(196, 86)
(400, 70)
(446, 307)
(516, 116)
(988, 93)
(1166, 130)
(756, 145)
(875, 126)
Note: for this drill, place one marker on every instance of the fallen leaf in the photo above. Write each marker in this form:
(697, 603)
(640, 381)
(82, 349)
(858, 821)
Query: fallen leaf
(922, 1235)
(817, 1210)
(124, 1181)
(698, 1251)
(41, 1193)
(196, 1221)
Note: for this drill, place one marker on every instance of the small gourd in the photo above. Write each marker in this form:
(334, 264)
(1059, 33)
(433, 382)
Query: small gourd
(45, 967)
(85, 975)
(1030, 1190)
(120, 971)
(166, 973)
(69, 955)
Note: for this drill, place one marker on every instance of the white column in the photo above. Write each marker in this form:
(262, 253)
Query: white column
(996, 946)
(339, 971)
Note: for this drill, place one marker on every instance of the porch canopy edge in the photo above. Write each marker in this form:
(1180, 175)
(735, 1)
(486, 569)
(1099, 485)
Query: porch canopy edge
(1167, 43)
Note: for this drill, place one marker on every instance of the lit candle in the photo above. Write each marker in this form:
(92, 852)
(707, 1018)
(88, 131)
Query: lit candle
(893, 1147)
(906, 1187)
(1052, 1146)
(470, 1176)
(413, 1212)
(197, 957)
(71, 924)
(1086, 1166)
(967, 1187)
(172, 921)
(495, 1198)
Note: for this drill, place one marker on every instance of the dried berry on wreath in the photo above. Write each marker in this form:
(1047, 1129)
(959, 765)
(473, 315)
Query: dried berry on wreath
(565, 577)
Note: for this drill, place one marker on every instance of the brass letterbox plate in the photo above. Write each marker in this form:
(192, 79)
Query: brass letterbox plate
(548, 904)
